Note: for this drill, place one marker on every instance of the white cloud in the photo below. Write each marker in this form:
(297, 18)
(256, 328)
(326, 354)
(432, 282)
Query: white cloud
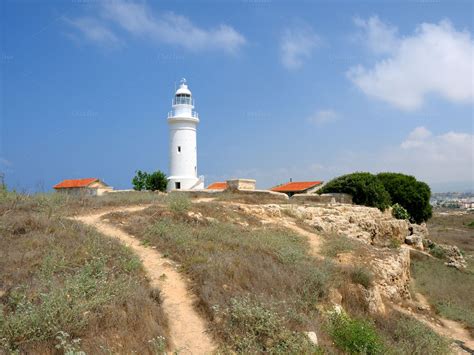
(416, 138)
(139, 20)
(94, 31)
(378, 36)
(447, 157)
(436, 59)
(323, 116)
(297, 45)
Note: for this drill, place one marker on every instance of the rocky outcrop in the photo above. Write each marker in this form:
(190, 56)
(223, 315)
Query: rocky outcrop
(390, 266)
(364, 223)
(392, 270)
(450, 253)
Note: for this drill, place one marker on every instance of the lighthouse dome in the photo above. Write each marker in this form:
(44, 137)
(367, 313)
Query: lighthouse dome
(183, 89)
(183, 95)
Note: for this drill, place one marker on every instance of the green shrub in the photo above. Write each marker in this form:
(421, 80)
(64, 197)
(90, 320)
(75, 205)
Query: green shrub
(410, 193)
(355, 336)
(471, 224)
(399, 212)
(155, 181)
(437, 251)
(253, 327)
(364, 188)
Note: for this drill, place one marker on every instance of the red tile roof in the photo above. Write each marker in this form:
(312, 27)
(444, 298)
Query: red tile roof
(217, 186)
(296, 186)
(66, 184)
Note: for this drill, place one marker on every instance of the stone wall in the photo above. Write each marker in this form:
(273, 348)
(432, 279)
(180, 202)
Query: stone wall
(241, 184)
(324, 198)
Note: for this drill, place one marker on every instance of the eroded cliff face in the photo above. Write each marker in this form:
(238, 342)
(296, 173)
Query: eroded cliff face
(388, 258)
(364, 223)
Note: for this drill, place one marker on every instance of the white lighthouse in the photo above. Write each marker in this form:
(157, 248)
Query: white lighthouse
(183, 121)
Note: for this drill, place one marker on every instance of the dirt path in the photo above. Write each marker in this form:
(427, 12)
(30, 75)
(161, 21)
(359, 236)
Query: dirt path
(443, 326)
(314, 239)
(187, 328)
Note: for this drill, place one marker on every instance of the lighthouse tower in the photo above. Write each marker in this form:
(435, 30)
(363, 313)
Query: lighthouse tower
(183, 121)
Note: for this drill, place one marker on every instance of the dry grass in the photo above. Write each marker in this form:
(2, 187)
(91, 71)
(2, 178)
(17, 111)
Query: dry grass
(453, 228)
(406, 335)
(449, 290)
(258, 287)
(58, 204)
(62, 283)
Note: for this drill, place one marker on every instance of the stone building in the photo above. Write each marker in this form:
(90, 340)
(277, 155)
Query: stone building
(298, 187)
(83, 187)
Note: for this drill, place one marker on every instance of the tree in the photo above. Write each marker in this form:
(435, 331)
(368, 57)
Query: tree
(410, 193)
(364, 188)
(155, 181)
(139, 180)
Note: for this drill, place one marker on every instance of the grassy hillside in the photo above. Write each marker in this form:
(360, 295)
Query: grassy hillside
(65, 286)
(451, 291)
(260, 288)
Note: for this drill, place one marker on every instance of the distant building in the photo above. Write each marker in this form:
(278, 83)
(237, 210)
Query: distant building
(221, 185)
(298, 187)
(88, 186)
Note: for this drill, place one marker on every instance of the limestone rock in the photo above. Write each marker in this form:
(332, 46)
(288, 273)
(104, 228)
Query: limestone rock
(312, 337)
(393, 273)
(416, 241)
(451, 253)
(374, 300)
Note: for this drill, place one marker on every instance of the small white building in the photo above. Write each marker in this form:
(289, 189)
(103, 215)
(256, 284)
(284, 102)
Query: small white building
(83, 187)
(182, 122)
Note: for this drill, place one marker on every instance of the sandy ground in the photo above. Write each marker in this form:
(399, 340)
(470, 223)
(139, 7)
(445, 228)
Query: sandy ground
(187, 328)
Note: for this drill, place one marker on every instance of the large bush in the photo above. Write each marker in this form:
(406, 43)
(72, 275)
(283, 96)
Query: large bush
(155, 181)
(364, 188)
(410, 193)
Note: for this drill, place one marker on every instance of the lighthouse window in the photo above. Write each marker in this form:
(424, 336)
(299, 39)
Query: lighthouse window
(179, 149)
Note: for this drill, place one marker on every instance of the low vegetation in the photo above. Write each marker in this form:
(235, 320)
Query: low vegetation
(406, 335)
(58, 204)
(399, 212)
(259, 287)
(453, 228)
(65, 286)
(353, 335)
(336, 244)
(448, 290)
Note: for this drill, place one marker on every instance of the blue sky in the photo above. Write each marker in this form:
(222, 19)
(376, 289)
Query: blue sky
(285, 89)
